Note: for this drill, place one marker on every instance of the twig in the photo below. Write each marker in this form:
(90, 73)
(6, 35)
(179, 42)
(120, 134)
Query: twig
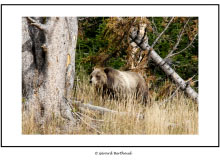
(195, 81)
(140, 58)
(191, 78)
(154, 43)
(154, 26)
(170, 97)
(184, 48)
(177, 90)
(87, 123)
(178, 39)
(90, 117)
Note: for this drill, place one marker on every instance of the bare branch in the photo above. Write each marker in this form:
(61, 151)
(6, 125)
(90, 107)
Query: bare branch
(40, 26)
(184, 48)
(154, 43)
(165, 101)
(155, 27)
(87, 123)
(195, 81)
(92, 119)
(178, 39)
(140, 58)
(191, 78)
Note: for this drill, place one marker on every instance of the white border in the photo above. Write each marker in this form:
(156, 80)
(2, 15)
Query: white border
(11, 76)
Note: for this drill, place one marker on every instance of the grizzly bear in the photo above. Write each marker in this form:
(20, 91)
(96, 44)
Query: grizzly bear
(117, 83)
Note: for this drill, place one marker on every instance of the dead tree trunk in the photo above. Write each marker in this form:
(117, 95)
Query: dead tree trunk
(140, 39)
(48, 68)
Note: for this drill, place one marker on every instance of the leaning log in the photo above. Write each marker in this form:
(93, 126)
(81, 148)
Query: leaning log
(162, 63)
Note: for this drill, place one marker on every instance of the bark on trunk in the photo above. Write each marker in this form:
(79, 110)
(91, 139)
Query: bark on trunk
(48, 68)
(143, 44)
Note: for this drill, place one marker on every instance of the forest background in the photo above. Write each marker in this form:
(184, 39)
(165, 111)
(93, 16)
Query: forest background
(103, 41)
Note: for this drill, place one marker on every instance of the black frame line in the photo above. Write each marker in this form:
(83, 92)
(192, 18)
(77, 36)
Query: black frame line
(111, 5)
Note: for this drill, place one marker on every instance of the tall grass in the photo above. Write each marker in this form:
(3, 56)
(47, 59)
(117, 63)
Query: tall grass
(177, 115)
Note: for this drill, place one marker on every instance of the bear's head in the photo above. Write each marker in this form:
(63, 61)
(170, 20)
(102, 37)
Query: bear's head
(98, 77)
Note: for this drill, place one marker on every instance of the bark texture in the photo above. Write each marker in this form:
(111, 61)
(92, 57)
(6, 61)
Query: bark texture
(48, 67)
(143, 44)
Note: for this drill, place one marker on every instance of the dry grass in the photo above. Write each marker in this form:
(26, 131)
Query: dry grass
(178, 115)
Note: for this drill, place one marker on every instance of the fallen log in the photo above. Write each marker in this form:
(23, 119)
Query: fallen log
(82, 106)
(102, 110)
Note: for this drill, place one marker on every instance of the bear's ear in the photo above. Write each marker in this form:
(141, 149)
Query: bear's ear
(108, 70)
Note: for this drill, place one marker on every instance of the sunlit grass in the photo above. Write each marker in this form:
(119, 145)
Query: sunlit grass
(178, 115)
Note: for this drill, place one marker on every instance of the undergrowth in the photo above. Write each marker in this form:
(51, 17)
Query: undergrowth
(166, 113)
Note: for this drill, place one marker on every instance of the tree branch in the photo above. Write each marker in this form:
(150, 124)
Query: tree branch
(166, 100)
(87, 123)
(154, 43)
(178, 39)
(40, 26)
(155, 30)
(184, 48)
(92, 119)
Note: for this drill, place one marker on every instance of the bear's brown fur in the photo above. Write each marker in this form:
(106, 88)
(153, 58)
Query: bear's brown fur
(114, 82)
